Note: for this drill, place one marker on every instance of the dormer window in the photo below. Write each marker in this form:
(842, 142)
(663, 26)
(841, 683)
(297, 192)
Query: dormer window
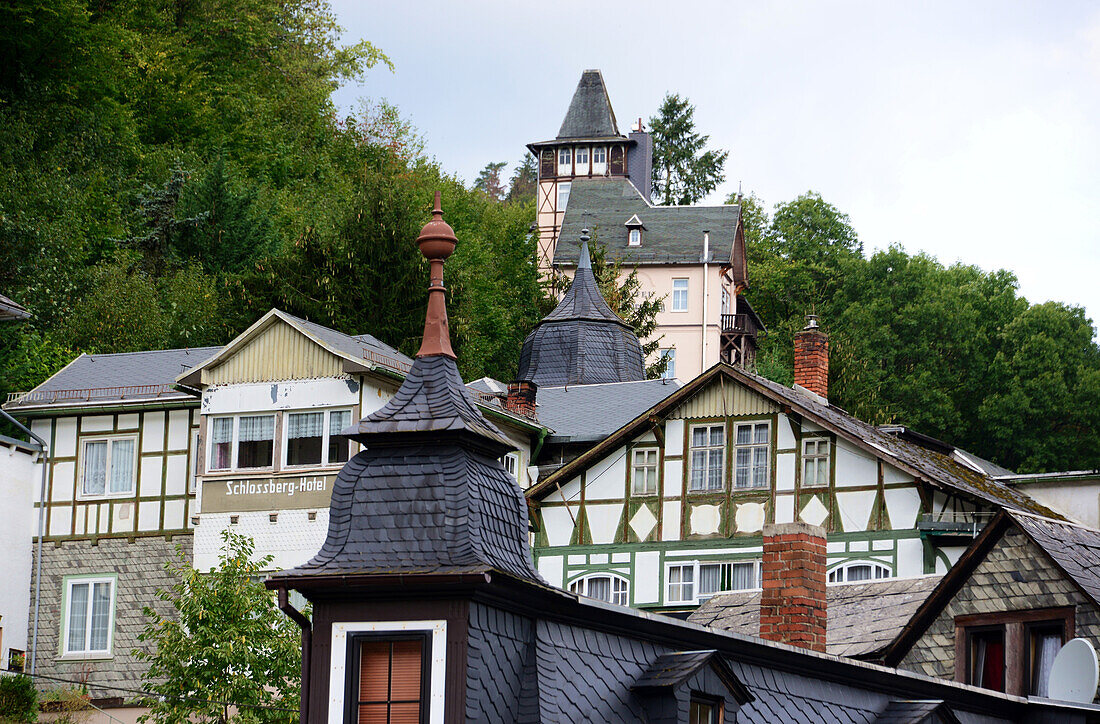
(634, 231)
(565, 162)
(635, 237)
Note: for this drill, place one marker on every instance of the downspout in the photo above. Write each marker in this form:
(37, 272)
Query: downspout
(706, 294)
(41, 531)
(538, 445)
(307, 647)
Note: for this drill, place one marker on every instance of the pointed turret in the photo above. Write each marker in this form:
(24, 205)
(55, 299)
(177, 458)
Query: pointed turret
(590, 114)
(582, 341)
(427, 495)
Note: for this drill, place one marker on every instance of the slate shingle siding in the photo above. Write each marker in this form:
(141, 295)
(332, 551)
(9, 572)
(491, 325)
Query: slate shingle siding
(992, 589)
(140, 569)
(497, 661)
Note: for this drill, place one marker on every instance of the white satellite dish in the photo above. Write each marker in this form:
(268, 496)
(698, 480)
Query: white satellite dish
(1074, 674)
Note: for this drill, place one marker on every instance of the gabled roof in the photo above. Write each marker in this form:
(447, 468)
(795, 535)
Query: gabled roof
(122, 378)
(906, 711)
(674, 234)
(10, 311)
(590, 114)
(582, 341)
(673, 669)
(933, 468)
(362, 353)
(1071, 547)
(863, 618)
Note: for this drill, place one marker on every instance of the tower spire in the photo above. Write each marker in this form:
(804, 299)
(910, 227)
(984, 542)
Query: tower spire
(437, 242)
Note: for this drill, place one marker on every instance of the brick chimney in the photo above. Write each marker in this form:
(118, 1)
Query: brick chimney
(811, 358)
(521, 398)
(792, 605)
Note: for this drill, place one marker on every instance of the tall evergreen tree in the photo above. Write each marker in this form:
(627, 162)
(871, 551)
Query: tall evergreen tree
(683, 172)
(526, 176)
(488, 181)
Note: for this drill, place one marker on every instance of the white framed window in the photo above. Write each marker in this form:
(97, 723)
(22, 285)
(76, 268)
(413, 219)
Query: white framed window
(669, 355)
(108, 466)
(563, 195)
(643, 480)
(725, 301)
(88, 619)
(565, 162)
(604, 586)
(511, 464)
(751, 443)
(242, 442)
(708, 457)
(859, 571)
(681, 583)
(582, 159)
(815, 462)
(634, 238)
(679, 295)
(196, 462)
(599, 156)
(313, 438)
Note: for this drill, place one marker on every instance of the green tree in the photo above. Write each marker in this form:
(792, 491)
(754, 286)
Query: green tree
(224, 647)
(18, 700)
(683, 172)
(488, 181)
(521, 187)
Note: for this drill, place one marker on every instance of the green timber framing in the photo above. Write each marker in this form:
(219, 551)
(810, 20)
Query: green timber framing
(672, 537)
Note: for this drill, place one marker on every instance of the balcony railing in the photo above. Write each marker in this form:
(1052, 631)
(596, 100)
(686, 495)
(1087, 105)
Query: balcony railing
(736, 323)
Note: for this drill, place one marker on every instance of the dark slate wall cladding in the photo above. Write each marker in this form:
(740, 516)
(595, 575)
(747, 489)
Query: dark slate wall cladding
(497, 662)
(783, 697)
(992, 588)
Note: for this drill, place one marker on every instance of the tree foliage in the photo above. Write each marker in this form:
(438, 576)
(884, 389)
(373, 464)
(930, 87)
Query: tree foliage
(683, 172)
(226, 654)
(488, 181)
(524, 179)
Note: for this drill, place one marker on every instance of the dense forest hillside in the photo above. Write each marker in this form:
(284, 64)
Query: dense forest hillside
(173, 169)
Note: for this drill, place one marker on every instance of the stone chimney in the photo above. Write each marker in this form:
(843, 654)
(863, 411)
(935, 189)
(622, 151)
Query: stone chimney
(792, 605)
(811, 358)
(521, 398)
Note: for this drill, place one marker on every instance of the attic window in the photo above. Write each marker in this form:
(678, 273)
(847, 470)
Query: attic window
(704, 710)
(635, 237)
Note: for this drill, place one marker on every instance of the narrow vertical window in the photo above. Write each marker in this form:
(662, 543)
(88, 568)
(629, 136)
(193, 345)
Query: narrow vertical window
(708, 456)
(390, 687)
(679, 295)
(987, 659)
(221, 443)
(565, 165)
(1044, 643)
(815, 462)
(644, 475)
(599, 160)
(563, 196)
(582, 160)
(751, 451)
(338, 446)
(635, 237)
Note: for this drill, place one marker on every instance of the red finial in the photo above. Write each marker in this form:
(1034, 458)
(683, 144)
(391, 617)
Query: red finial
(437, 242)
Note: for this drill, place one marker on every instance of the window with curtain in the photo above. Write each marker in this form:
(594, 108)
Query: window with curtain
(221, 443)
(338, 446)
(305, 437)
(1013, 651)
(391, 687)
(681, 583)
(987, 659)
(563, 196)
(708, 456)
(751, 455)
(606, 587)
(108, 467)
(815, 462)
(1044, 642)
(255, 441)
(644, 474)
(850, 572)
(88, 615)
(727, 576)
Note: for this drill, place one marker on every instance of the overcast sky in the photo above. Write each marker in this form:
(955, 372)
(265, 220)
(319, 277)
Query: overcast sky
(968, 130)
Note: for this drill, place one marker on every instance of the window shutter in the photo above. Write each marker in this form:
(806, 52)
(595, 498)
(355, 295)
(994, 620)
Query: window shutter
(390, 682)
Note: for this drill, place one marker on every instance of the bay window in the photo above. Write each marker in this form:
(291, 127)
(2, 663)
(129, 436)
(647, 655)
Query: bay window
(88, 616)
(108, 467)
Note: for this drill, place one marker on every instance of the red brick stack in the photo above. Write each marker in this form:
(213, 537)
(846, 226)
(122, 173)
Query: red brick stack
(792, 606)
(811, 359)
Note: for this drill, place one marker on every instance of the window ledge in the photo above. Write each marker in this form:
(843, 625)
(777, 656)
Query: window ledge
(86, 657)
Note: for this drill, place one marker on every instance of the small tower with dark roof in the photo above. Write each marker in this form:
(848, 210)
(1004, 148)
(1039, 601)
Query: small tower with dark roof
(581, 342)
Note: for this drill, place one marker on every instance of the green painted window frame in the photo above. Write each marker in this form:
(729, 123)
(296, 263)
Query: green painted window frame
(655, 467)
(817, 440)
(67, 584)
(752, 445)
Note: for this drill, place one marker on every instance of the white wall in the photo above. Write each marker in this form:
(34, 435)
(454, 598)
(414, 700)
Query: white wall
(20, 478)
(1078, 500)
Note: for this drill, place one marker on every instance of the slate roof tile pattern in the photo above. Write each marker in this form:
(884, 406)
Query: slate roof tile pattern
(11, 310)
(585, 413)
(863, 617)
(672, 668)
(427, 495)
(916, 712)
(673, 234)
(590, 114)
(362, 346)
(582, 341)
(1074, 547)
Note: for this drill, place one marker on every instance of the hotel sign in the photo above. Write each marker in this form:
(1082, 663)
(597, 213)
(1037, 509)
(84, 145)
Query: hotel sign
(222, 495)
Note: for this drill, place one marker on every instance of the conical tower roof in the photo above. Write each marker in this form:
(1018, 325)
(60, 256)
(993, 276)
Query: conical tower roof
(428, 494)
(581, 342)
(590, 114)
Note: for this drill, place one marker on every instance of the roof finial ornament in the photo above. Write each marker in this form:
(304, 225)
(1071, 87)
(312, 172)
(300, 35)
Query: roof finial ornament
(437, 242)
(586, 259)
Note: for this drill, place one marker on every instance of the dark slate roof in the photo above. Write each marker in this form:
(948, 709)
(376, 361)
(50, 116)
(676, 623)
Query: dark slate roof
(10, 310)
(99, 378)
(584, 413)
(863, 617)
(428, 494)
(673, 234)
(581, 342)
(916, 712)
(1074, 548)
(590, 114)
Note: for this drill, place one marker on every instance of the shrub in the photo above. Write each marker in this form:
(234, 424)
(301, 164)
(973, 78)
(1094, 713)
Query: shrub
(18, 700)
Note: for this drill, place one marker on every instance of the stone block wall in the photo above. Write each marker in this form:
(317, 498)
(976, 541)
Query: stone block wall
(1015, 576)
(139, 566)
